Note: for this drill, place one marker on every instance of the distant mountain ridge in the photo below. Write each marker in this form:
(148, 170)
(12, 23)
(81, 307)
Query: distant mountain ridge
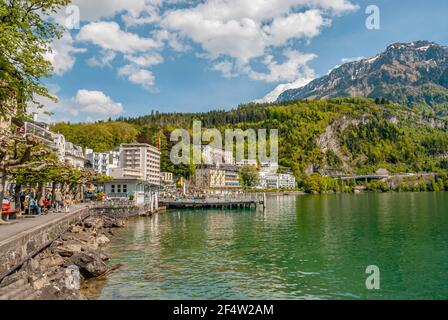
(412, 74)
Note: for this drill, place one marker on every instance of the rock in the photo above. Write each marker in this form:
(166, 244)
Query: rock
(54, 292)
(102, 240)
(52, 261)
(15, 277)
(76, 229)
(38, 282)
(69, 249)
(113, 223)
(32, 266)
(93, 222)
(90, 265)
(103, 256)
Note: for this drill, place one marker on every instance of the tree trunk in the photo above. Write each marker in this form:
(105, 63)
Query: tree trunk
(2, 189)
(18, 203)
(53, 191)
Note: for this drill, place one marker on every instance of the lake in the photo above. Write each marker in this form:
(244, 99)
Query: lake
(300, 247)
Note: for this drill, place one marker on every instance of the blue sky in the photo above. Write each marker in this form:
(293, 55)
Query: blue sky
(130, 57)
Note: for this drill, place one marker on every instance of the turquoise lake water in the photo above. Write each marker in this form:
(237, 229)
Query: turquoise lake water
(300, 247)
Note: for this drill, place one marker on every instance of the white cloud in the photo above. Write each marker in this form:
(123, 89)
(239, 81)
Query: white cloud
(244, 30)
(84, 104)
(274, 94)
(172, 39)
(294, 67)
(306, 78)
(62, 55)
(105, 60)
(138, 75)
(235, 36)
(92, 10)
(109, 36)
(145, 60)
(97, 102)
(227, 68)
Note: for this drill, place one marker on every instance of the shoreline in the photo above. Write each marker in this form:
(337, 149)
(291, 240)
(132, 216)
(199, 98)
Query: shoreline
(59, 271)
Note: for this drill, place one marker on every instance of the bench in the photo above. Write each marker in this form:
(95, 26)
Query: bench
(8, 215)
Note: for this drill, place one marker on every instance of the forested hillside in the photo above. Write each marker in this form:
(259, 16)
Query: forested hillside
(333, 136)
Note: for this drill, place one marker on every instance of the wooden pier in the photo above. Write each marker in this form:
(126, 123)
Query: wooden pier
(227, 202)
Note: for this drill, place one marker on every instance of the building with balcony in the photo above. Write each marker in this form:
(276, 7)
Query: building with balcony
(100, 161)
(41, 131)
(54, 141)
(268, 180)
(143, 157)
(217, 179)
(167, 178)
(74, 155)
(114, 159)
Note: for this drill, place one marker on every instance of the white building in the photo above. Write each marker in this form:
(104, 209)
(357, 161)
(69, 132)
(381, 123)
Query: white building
(42, 131)
(143, 157)
(74, 155)
(125, 173)
(286, 181)
(269, 167)
(114, 159)
(217, 179)
(99, 161)
(66, 151)
(212, 155)
(167, 177)
(139, 191)
(247, 162)
(267, 180)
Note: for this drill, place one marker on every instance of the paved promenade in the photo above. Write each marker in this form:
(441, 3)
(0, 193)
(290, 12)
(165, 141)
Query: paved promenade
(20, 226)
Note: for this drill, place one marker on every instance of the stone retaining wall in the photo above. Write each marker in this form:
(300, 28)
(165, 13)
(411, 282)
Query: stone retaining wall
(121, 211)
(18, 249)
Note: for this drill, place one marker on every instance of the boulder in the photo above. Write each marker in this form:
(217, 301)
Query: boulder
(77, 229)
(90, 265)
(68, 249)
(93, 223)
(38, 282)
(113, 223)
(102, 240)
(52, 261)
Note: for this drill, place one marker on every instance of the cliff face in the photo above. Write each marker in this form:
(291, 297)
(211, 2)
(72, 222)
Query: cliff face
(413, 74)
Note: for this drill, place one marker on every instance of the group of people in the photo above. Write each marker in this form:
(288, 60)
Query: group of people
(35, 203)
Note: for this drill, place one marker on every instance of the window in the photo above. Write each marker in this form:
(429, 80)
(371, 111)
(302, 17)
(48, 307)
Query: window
(125, 188)
(119, 188)
(112, 188)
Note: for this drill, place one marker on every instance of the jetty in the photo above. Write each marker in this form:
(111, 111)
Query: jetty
(221, 202)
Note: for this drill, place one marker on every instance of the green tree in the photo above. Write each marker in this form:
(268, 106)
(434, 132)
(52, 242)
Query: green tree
(26, 32)
(249, 176)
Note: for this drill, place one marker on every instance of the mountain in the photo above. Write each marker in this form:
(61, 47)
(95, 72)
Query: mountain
(342, 135)
(411, 74)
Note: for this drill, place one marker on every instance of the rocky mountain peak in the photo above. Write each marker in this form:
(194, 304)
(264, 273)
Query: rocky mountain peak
(414, 74)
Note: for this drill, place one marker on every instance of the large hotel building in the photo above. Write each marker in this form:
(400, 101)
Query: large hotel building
(143, 157)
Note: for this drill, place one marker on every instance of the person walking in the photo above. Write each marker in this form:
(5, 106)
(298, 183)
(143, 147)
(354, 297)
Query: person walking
(67, 202)
(58, 200)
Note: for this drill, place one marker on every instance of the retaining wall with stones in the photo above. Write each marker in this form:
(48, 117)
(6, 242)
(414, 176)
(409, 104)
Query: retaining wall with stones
(18, 249)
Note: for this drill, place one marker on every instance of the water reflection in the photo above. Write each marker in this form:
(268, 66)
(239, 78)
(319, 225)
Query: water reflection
(306, 247)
